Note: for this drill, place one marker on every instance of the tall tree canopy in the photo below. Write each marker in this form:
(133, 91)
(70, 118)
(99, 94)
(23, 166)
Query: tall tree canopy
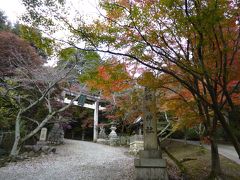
(16, 53)
(4, 24)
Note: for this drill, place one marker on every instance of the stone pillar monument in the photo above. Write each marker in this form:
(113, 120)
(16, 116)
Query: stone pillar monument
(43, 134)
(150, 165)
(43, 137)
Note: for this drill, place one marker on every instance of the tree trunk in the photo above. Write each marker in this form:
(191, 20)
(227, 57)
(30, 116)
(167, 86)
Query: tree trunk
(15, 148)
(216, 169)
(228, 130)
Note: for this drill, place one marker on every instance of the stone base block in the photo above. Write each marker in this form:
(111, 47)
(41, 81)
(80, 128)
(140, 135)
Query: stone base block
(150, 154)
(151, 174)
(150, 166)
(149, 163)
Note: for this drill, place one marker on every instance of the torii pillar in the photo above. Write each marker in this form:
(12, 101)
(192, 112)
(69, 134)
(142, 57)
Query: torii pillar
(95, 124)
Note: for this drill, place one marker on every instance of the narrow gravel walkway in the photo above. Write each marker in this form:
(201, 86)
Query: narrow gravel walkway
(75, 160)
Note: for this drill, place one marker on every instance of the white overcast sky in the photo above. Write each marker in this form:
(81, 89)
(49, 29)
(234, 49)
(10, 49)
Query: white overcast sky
(14, 8)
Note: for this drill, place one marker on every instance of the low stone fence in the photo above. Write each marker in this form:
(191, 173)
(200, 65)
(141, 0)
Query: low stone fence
(124, 140)
(136, 144)
(135, 138)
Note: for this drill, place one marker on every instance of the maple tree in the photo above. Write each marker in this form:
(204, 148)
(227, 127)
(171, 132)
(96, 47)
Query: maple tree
(114, 83)
(29, 88)
(180, 102)
(110, 78)
(126, 108)
(42, 44)
(39, 93)
(16, 53)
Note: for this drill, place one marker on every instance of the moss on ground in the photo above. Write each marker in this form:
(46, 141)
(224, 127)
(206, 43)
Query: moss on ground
(199, 168)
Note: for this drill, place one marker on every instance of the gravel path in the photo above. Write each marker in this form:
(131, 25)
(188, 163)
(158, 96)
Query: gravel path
(74, 160)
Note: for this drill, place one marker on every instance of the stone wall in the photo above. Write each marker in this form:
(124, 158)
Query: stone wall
(7, 140)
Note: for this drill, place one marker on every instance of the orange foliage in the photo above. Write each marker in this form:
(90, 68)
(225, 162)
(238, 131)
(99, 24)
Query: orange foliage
(110, 78)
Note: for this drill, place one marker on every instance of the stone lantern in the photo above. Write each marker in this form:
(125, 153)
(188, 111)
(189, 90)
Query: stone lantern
(113, 138)
(102, 134)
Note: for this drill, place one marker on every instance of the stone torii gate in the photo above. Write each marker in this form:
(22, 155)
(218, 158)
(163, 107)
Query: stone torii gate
(95, 107)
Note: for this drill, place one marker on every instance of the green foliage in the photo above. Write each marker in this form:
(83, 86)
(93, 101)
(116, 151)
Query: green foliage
(87, 59)
(4, 24)
(7, 113)
(7, 141)
(178, 134)
(32, 35)
(86, 62)
(192, 134)
(68, 54)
